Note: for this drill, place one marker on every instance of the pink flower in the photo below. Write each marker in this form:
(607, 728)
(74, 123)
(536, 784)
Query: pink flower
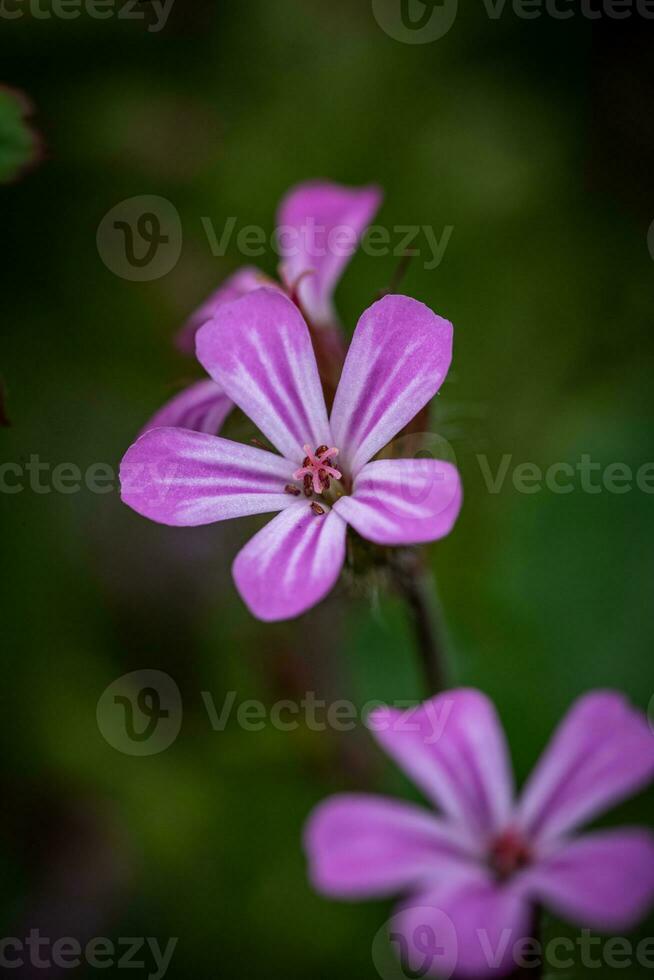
(319, 225)
(482, 865)
(258, 350)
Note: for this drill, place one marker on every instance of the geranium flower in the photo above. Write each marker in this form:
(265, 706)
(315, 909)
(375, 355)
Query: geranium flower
(482, 865)
(319, 225)
(259, 351)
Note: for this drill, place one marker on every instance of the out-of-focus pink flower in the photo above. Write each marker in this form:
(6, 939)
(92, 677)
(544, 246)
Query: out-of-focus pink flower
(242, 282)
(258, 350)
(483, 865)
(202, 407)
(319, 227)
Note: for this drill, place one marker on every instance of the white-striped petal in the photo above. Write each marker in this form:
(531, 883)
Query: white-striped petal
(397, 361)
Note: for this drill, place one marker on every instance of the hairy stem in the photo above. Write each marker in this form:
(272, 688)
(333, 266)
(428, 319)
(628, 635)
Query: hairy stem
(415, 583)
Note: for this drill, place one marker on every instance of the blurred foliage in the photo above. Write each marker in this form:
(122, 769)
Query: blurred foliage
(502, 130)
(18, 143)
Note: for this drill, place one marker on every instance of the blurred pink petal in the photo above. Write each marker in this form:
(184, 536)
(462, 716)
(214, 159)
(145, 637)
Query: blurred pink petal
(368, 846)
(454, 749)
(602, 752)
(243, 281)
(320, 225)
(202, 407)
(603, 880)
(487, 921)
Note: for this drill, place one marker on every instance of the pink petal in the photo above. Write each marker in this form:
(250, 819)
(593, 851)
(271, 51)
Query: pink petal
(202, 407)
(319, 228)
(243, 281)
(454, 749)
(184, 478)
(603, 880)
(403, 501)
(602, 752)
(397, 361)
(259, 350)
(291, 564)
(471, 926)
(364, 846)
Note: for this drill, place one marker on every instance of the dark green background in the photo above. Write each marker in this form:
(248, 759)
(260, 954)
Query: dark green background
(532, 139)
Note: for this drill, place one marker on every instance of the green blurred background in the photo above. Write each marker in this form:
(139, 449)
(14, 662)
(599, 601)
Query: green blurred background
(533, 140)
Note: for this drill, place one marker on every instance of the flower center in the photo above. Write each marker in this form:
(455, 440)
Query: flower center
(508, 854)
(316, 471)
(316, 475)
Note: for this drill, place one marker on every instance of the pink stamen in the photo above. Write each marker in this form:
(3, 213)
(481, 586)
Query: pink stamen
(316, 467)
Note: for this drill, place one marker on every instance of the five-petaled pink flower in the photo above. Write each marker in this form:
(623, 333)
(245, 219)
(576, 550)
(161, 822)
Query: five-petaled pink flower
(258, 350)
(319, 224)
(482, 866)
